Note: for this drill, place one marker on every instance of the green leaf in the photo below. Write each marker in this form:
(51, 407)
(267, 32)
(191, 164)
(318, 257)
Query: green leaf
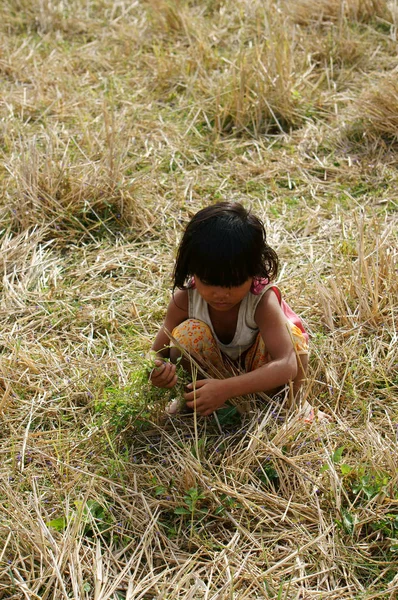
(93, 509)
(180, 510)
(57, 524)
(193, 494)
(337, 455)
(228, 415)
(348, 521)
(345, 469)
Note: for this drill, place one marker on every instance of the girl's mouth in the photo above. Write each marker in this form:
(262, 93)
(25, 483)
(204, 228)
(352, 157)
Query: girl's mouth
(221, 304)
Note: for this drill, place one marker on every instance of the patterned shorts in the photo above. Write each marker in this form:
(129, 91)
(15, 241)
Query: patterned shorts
(197, 339)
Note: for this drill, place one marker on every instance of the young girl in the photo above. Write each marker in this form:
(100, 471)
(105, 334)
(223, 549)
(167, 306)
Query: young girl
(227, 312)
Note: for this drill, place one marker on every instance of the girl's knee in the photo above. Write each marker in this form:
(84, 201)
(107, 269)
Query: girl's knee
(195, 338)
(192, 334)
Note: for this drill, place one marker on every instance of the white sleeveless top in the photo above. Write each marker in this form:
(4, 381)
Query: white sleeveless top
(246, 327)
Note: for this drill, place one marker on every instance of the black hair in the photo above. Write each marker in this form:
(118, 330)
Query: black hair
(224, 245)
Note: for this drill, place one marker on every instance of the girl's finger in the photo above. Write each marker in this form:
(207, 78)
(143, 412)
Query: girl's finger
(163, 371)
(170, 369)
(198, 384)
(194, 404)
(158, 380)
(172, 382)
(194, 395)
(169, 377)
(157, 369)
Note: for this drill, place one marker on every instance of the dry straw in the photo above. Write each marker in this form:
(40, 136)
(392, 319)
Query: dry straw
(118, 121)
(379, 106)
(311, 11)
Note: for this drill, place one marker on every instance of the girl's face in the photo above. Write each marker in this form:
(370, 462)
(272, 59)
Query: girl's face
(222, 298)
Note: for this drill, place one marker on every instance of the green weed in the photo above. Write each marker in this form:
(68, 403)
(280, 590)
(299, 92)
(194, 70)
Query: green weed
(94, 518)
(192, 507)
(139, 403)
(268, 475)
(119, 120)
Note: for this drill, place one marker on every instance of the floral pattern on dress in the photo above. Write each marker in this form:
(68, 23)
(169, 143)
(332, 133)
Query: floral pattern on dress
(197, 339)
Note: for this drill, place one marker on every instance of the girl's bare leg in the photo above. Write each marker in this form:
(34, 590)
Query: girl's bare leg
(302, 366)
(309, 414)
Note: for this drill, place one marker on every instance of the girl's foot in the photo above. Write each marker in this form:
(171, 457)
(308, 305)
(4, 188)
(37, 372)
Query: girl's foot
(309, 414)
(176, 407)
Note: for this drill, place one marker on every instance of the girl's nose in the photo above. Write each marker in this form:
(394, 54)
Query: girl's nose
(221, 295)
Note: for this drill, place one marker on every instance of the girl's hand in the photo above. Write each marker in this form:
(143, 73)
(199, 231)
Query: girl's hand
(163, 375)
(209, 395)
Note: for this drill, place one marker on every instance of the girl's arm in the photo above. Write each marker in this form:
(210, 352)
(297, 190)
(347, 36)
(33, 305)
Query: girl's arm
(210, 394)
(164, 375)
(275, 331)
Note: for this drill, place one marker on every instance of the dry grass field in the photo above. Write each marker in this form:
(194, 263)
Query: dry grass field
(119, 119)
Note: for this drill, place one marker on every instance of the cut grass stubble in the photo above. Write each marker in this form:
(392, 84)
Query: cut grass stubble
(119, 121)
